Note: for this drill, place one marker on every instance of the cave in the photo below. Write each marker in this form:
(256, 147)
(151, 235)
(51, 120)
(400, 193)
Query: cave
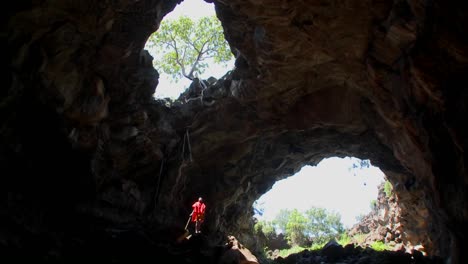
(93, 165)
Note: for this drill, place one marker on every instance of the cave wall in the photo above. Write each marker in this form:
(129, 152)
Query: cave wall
(82, 136)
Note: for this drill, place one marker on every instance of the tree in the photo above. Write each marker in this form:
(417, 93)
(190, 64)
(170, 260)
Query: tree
(281, 219)
(323, 225)
(296, 228)
(316, 224)
(266, 234)
(266, 228)
(183, 46)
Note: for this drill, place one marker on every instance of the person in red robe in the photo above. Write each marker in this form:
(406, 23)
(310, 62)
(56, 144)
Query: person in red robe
(198, 214)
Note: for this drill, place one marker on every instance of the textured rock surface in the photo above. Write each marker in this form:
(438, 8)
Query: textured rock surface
(388, 222)
(87, 157)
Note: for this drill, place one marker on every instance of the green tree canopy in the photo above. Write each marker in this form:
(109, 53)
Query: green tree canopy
(316, 224)
(265, 227)
(281, 219)
(296, 228)
(323, 225)
(183, 46)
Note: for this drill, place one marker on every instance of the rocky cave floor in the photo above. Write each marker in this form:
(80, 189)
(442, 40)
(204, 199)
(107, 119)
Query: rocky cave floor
(334, 253)
(125, 246)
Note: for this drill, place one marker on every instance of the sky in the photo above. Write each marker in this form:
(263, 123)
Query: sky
(330, 184)
(195, 9)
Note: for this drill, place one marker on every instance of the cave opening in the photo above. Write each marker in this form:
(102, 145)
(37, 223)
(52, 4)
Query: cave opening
(347, 200)
(345, 185)
(189, 46)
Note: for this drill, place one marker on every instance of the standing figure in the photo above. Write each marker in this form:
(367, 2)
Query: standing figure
(198, 214)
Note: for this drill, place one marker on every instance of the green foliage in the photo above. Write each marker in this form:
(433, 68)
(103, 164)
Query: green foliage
(379, 246)
(316, 225)
(344, 239)
(286, 252)
(317, 246)
(323, 225)
(296, 228)
(183, 45)
(281, 219)
(265, 227)
(388, 188)
(373, 204)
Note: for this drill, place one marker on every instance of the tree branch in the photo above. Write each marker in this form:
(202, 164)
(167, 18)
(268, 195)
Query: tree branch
(199, 57)
(178, 61)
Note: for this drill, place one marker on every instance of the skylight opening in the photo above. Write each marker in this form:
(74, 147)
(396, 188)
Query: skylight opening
(189, 44)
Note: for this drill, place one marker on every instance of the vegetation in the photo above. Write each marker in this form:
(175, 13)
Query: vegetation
(183, 46)
(282, 219)
(296, 228)
(379, 246)
(310, 230)
(388, 188)
(315, 226)
(286, 252)
(323, 225)
(317, 246)
(344, 239)
(265, 227)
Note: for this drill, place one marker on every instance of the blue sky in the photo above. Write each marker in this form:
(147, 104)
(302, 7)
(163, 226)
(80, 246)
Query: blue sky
(330, 184)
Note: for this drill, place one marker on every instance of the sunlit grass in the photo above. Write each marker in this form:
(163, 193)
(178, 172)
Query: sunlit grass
(379, 246)
(317, 246)
(286, 252)
(344, 240)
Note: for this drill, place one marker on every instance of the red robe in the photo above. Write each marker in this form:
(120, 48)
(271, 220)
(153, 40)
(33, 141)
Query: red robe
(198, 211)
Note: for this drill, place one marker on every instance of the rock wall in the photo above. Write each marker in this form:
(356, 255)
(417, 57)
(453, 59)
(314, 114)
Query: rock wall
(83, 141)
(388, 222)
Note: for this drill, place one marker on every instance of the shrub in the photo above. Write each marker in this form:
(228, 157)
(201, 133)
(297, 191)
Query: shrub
(317, 246)
(286, 252)
(388, 189)
(379, 246)
(344, 239)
